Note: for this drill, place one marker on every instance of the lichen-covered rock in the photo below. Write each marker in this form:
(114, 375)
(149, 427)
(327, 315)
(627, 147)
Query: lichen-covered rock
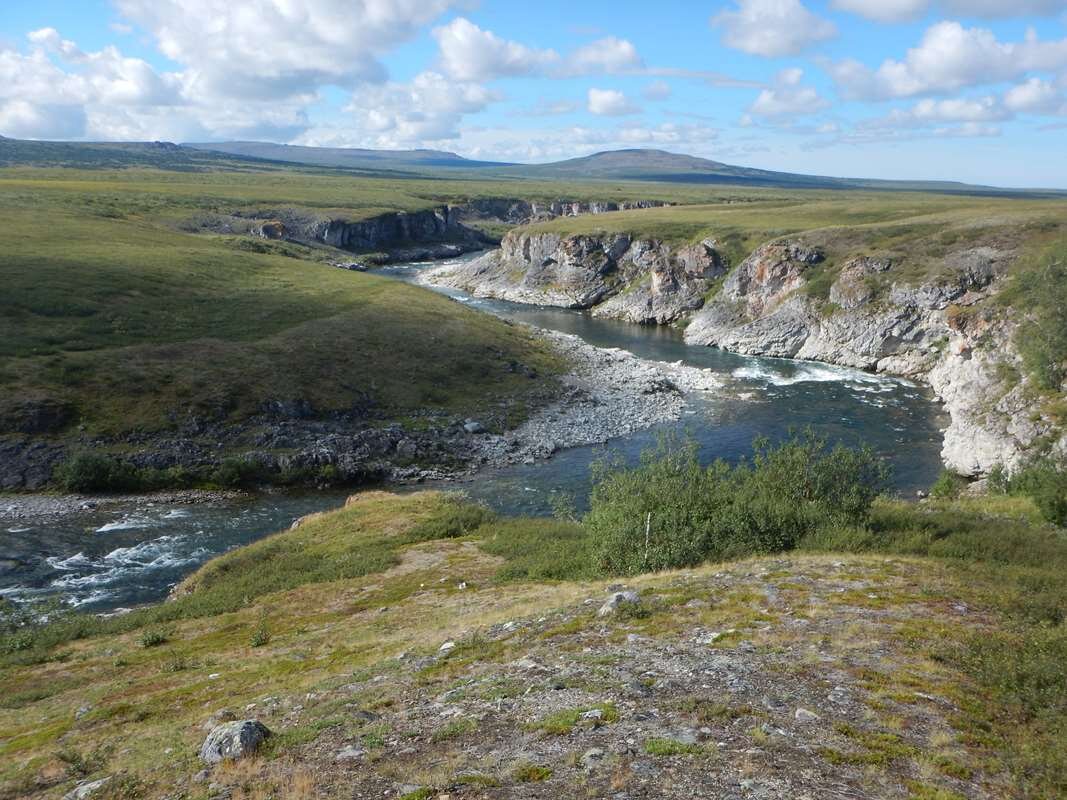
(233, 740)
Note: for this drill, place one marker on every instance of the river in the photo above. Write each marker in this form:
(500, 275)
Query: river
(103, 560)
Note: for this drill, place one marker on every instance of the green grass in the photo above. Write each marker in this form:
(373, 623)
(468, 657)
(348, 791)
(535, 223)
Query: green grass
(661, 746)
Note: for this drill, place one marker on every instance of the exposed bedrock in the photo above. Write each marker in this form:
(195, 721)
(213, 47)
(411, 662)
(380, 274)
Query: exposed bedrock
(640, 280)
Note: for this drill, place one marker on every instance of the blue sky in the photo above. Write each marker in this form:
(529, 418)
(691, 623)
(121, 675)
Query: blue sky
(972, 90)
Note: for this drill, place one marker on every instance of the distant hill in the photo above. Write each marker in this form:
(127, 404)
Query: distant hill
(344, 156)
(660, 165)
(622, 165)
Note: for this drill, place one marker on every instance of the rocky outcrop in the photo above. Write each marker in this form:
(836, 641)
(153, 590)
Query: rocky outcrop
(442, 232)
(639, 280)
(936, 331)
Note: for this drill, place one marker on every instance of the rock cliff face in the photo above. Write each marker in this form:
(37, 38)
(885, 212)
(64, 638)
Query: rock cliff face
(639, 280)
(441, 232)
(940, 331)
(937, 331)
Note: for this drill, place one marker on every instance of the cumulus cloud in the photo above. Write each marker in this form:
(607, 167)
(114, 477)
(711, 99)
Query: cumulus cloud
(1036, 96)
(278, 48)
(610, 103)
(787, 97)
(473, 54)
(904, 10)
(772, 28)
(57, 90)
(429, 108)
(949, 57)
(930, 112)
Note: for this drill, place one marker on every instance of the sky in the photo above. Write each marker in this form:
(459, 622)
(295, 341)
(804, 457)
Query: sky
(971, 90)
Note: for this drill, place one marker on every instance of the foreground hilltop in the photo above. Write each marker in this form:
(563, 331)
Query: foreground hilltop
(415, 646)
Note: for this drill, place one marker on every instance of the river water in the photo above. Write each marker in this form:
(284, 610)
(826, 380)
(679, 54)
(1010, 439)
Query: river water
(103, 560)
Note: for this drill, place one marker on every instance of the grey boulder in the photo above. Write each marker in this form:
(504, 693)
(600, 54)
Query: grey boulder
(233, 740)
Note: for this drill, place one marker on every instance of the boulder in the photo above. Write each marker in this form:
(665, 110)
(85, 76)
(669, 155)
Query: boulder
(618, 600)
(233, 740)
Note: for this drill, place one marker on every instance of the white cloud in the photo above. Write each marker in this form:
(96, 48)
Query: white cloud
(787, 97)
(608, 55)
(904, 10)
(948, 58)
(279, 48)
(772, 28)
(473, 54)
(429, 108)
(1035, 96)
(610, 103)
(657, 90)
(930, 113)
(884, 10)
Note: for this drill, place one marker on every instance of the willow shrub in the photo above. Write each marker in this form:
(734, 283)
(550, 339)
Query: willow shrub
(671, 512)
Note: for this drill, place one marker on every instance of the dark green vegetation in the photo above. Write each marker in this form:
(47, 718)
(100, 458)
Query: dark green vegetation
(1040, 286)
(671, 512)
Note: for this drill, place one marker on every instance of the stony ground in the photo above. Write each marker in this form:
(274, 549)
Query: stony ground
(796, 678)
(609, 393)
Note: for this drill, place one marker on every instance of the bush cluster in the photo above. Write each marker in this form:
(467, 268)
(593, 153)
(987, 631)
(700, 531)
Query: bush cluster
(671, 512)
(1043, 479)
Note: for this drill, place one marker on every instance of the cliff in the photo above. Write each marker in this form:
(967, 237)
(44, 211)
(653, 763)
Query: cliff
(940, 328)
(640, 280)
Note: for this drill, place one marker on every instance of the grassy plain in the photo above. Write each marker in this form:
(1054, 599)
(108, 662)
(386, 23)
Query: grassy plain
(310, 616)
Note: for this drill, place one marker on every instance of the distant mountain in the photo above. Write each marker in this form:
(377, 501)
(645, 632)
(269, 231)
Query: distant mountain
(660, 165)
(629, 165)
(344, 156)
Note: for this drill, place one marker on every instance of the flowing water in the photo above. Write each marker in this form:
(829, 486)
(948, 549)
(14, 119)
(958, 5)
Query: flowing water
(103, 560)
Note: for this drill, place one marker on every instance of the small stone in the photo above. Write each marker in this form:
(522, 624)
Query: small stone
(591, 758)
(473, 426)
(447, 647)
(85, 790)
(805, 716)
(349, 754)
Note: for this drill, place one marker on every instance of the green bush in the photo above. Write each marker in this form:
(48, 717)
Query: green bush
(1043, 479)
(670, 512)
(948, 486)
(1040, 292)
(96, 472)
(456, 517)
(238, 473)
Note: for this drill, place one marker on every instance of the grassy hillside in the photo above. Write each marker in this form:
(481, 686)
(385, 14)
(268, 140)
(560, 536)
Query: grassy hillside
(931, 656)
(113, 310)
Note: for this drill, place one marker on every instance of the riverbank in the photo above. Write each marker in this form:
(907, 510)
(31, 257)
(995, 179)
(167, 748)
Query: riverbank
(43, 506)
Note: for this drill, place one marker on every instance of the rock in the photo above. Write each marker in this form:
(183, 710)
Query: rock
(446, 647)
(233, 740)
(804, 716)
(591, 758)
(350, 753)
(473, 426)
(617, 600)
(86, 789)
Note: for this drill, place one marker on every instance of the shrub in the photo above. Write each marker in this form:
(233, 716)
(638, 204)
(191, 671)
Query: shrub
(153, 637)
(948, 486)
(1040, 291)
(456, 517)
(96, 472)
(670, 512)
(238, 473)
(261, 635)
(1043, 479)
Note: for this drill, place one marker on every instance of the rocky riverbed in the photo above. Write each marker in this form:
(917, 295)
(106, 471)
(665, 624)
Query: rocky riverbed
(609, 393)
